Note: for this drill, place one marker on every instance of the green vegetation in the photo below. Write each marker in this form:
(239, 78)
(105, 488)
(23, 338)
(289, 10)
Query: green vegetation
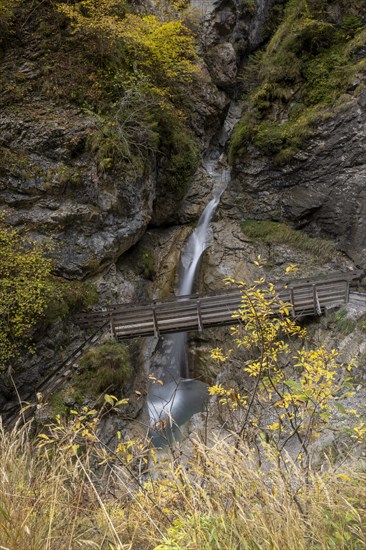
(104, 368)
(250, 6)
(69, 297)
(6, 17)
(362, 322)
(130, 137)
(26, 289)
(267, 498)
(145, 262)
(57, 403)
(128, 68)
(279, 233)
(148, 62)
(180, 153)
(339, 321)
(301, 77)
(30, 296)
(161, 51)
(20, 164)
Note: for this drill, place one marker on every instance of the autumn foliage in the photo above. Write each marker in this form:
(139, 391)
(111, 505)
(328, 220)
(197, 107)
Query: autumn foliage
(160, 51)
(25, 289)
(290, 391)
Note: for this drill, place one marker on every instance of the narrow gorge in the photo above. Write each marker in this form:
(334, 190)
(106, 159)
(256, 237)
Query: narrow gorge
(162, 149)
(124, 233)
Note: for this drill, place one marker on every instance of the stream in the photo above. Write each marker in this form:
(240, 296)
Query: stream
(174, 398)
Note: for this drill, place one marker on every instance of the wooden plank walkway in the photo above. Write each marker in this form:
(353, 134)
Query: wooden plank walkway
(194, 312)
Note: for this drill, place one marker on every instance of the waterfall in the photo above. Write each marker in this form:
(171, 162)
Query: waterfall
(172, 403)
(192, 254)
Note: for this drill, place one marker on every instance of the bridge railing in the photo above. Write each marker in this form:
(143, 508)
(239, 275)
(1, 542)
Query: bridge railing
(195, 312)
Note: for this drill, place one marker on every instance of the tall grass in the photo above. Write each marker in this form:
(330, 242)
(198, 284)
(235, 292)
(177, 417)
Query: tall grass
(46, 502)
(218, 497)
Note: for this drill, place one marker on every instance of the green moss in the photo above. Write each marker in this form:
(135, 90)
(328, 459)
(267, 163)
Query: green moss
(106, 368)
(249, 6)
(338, 320)
(70, 297)
(179, 150)
(361, 322)
(300, 78)
(18, 163)
(145, 263)
(57, 403)
(279, 233)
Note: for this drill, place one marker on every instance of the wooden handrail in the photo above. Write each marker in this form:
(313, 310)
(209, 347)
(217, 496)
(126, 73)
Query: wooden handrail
(194, 312)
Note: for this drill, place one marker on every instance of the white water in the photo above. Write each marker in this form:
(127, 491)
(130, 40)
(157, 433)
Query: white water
(179, 398)
(198, 241)
(191, 256)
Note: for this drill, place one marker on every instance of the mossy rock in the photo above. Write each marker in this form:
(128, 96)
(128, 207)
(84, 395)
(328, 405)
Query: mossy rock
(70, 297)
(271, 232)
(106, 368)
(300, 78)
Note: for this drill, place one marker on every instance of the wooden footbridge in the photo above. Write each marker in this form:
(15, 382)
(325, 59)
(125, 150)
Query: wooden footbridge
(184, 313)
(195, 312)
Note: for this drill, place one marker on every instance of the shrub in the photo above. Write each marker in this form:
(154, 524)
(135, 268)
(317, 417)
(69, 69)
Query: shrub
(26, 289)
(180, 153)
(129, 139)
(106, 367)
(161, 51)
(69, 297)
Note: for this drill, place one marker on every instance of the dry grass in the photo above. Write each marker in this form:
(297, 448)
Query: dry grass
(218, 499)
(45, 502)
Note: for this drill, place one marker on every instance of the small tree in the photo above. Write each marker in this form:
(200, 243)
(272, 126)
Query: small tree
(25, 290)
(289, 390)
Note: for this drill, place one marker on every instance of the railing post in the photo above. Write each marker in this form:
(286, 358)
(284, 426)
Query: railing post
(292, 300)
(347, 291)
(155, 320)
(317, 308)
(199, 316)
(111, 326)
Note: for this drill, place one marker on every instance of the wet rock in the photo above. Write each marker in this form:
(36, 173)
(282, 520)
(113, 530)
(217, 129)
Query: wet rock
(196, 198)
(229, 255)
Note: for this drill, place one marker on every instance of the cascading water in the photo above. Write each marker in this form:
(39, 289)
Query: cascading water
(192, 254)
(172, 403)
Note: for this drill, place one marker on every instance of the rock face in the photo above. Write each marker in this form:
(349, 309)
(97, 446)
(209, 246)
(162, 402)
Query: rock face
(323, 189)
(51, 185)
